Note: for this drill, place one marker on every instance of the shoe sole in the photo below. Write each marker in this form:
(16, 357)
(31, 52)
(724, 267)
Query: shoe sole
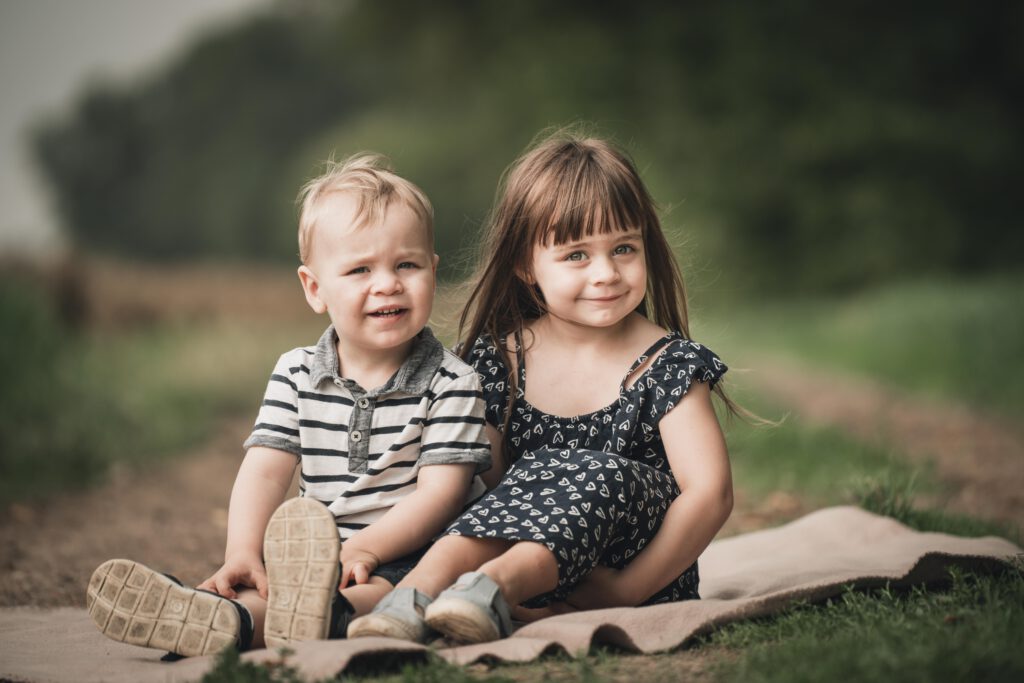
(301, 550)
(133, 604)
(461, 621)
(383, 626)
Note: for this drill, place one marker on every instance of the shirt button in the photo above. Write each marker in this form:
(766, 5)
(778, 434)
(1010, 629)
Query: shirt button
(363, 403)
(337, 382)
(357, 436)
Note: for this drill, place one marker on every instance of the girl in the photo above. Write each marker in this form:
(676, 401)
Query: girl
(596, 398)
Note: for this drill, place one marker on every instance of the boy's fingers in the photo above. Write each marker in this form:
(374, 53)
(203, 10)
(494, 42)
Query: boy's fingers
(223, 588)
(261, 584)
(360, 573)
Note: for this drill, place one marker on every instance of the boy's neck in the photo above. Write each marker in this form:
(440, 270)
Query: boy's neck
(371, 368)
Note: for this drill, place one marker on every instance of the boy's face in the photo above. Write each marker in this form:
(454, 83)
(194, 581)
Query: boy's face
(376, 282)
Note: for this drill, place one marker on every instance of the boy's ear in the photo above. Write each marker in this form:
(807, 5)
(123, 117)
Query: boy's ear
(311, 288)
(437, 259)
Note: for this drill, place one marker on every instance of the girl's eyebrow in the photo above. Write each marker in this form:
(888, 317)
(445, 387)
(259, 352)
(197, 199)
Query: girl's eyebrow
(621, 236)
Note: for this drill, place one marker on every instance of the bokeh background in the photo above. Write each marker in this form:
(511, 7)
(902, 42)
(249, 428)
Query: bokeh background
(841, 183)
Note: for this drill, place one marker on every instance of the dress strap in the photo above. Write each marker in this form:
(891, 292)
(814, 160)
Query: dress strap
(520, 361)
(656, 346)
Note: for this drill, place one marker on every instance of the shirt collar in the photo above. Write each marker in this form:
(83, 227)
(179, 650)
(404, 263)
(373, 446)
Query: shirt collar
(413, 377)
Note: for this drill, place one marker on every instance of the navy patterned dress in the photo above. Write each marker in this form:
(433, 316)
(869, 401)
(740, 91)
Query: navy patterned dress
(593, 488)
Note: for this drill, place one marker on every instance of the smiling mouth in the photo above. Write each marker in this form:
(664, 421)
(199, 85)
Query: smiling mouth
(388, 312)
(605, 299)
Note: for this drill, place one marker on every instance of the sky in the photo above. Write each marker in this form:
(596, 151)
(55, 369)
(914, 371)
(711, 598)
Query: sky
(49, 50)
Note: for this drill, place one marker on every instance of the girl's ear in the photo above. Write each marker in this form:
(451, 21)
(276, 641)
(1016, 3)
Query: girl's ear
(311, 288)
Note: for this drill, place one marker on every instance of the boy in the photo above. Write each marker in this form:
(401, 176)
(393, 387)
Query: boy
(386, 424)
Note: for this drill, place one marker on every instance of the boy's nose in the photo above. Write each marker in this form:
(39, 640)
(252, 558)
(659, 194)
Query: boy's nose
(386, 282)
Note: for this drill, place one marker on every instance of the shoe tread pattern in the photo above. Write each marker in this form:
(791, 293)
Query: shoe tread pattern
(301, 551)
(133, 604)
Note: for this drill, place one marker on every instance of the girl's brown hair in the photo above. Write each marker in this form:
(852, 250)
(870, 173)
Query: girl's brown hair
(562, 188)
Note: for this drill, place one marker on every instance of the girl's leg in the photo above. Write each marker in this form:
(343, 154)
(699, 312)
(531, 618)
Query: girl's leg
(450, 557)
(524, 571)
(521, 569)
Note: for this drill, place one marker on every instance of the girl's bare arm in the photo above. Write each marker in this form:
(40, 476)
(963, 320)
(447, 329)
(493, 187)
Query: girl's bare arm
(699, 460)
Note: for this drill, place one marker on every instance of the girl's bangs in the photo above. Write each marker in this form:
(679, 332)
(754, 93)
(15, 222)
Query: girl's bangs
(585, 204)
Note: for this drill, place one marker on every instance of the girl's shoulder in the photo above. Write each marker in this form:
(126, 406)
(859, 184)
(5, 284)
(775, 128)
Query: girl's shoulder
(682, 360)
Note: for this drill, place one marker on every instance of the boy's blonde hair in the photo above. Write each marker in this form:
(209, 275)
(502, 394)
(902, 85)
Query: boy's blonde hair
(370, 178)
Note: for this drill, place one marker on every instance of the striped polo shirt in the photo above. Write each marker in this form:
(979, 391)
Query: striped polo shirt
(361, 450)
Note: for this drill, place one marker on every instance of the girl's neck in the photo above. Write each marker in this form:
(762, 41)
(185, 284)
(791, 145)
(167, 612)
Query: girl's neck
(552, 330)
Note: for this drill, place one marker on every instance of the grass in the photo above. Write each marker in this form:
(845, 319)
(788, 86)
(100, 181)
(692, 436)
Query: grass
(822, 465)
(951, 339)
(972, 631)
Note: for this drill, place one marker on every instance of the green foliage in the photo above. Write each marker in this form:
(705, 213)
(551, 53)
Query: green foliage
(49, 435)
(231, 669)
(803, 145)
(73, 402)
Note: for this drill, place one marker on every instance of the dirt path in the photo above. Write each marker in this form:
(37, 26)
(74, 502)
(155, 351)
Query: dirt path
(172, 516)
(980, 458)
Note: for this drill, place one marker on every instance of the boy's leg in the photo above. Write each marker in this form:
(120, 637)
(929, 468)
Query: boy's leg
(257, 606)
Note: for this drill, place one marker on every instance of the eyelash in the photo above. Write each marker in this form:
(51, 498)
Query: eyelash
(617, 251)
(404, 265)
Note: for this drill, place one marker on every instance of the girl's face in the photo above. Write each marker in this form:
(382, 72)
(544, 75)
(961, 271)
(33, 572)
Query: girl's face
(594, 282)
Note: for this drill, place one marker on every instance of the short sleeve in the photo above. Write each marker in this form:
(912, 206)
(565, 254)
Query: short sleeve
(493, 374)
(453, 431)
(682, 363)
(277, 425)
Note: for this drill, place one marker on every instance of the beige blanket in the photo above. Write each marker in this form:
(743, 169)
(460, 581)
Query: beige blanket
(741, 577)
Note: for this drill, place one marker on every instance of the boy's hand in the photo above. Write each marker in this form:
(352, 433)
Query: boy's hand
(238, 571)
(356, 565)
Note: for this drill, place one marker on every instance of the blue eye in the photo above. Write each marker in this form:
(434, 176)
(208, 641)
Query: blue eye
(358, 271)
(625, 249)
(576, 256)
(407, 265)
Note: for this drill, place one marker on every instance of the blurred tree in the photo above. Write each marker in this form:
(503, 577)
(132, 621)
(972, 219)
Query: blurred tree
(814, 146)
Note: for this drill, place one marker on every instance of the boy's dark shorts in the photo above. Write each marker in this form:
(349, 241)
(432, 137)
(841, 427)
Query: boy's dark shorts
(395, 571)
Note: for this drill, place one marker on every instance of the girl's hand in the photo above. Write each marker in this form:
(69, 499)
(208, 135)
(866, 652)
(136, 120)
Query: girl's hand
(356, 565)
(603, 587)
(238, 570)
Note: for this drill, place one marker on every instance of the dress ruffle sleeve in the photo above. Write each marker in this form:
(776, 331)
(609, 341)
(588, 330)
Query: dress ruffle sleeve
(681, 364)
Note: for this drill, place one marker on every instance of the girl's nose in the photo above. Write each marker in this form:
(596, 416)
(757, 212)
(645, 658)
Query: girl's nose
(603, 271)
